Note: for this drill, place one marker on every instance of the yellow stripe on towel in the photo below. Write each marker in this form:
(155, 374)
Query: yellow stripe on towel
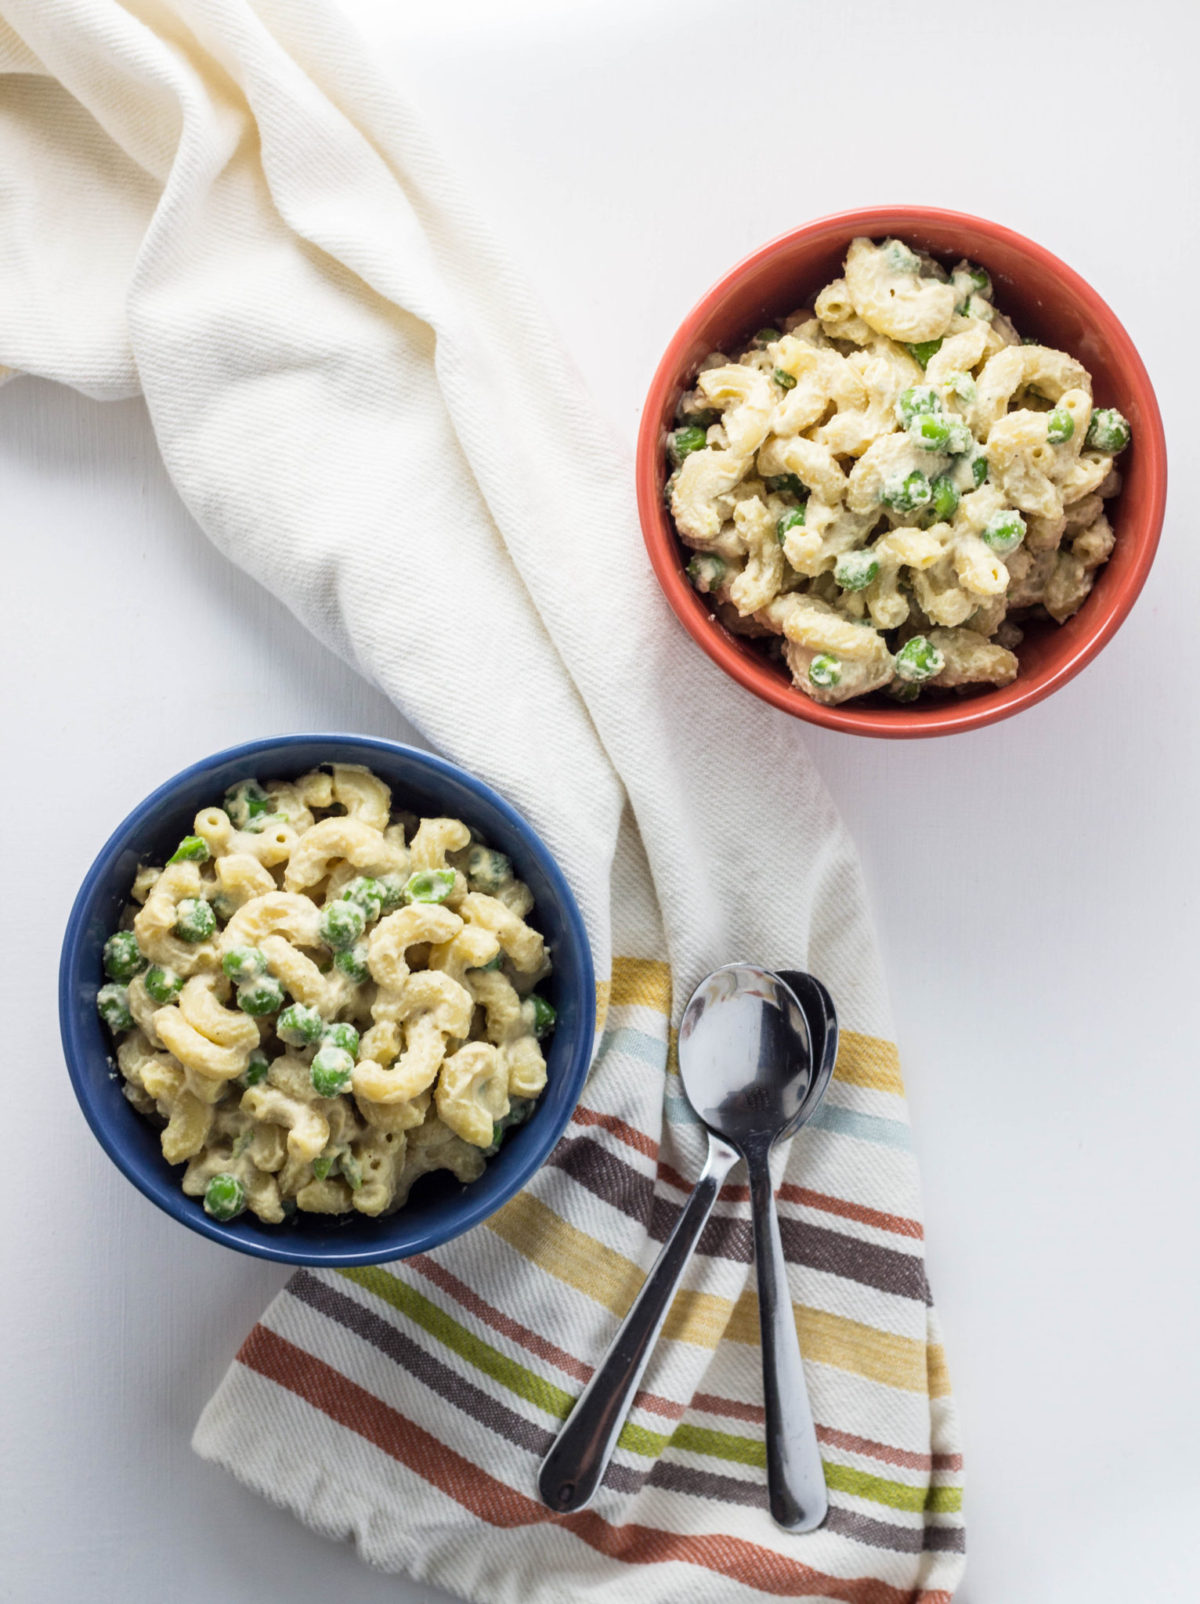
(869, 1061)
(702, 1319)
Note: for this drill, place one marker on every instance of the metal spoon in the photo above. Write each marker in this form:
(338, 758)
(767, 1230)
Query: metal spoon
(579, 1456)
(747, 1066)
(795, 1476)
(739, 1017)
(823, 1037)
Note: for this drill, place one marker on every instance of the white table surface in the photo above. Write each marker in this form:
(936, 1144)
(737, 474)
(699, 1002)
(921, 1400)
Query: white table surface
(628, 153)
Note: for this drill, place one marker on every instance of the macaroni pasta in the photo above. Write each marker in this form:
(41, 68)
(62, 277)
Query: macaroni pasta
(319, 1001)
(893, 482)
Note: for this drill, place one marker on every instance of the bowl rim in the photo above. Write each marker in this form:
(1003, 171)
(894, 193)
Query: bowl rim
(662, 544)
(469, 1212)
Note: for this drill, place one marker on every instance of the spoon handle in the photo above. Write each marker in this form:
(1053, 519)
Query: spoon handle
(795, 1476)
(575, 1465)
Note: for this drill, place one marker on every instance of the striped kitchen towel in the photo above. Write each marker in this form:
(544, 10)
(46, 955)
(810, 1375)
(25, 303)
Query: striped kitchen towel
(218, 204)
(419, 1396)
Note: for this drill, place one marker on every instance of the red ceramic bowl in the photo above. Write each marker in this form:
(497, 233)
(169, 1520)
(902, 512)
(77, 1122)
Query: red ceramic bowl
(1044, 298)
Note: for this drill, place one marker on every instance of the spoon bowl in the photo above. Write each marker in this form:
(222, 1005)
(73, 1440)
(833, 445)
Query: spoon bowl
(745, 1055)
(823, 1033)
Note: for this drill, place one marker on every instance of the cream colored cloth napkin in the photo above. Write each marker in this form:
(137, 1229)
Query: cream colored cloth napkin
(220, 205)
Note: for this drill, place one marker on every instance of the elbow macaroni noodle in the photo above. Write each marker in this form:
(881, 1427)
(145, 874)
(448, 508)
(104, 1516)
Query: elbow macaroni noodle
(320, 1005)
(895, 482)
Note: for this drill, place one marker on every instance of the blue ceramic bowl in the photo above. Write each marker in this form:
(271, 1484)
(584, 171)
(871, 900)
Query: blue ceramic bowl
(440, 1206)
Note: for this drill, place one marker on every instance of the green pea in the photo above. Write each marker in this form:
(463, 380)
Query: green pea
(244, 963)
(544, 1015)
(923, 351)
(122, 956)
(330, 1070)
(980, 279)
(784, 379)
(519, 1110)
(112, 1004)
(668, 489)
(969, 281)
(1004, 532)
(917, 489)
(899, 258)
(341, 924)
(261, 996)
(914, 490)
(793, 518)
(979, 469)
(903, 691)
(246, 802)
(365, 892)
(163, 984)
(963, 386)
(825, 670)
(391, 889)
(300, 1026)
(766, 336)
(192, 849)
(940, 432)
(917, 399)
(225, 1197)
(1108, 431)
(944, 503)
(353, 962)
(698, 417)
(342, 1035)
(931, 432)
(256, 1068)
(351, 1171)
(919, 659)
(1060, 426)
(979, 308)
(487, 870)
(683, 442)
(429, 885)
(322, 1165)
(855, 570)
(706, 572)
(1030, 339)
(789, 484)
(194, 920)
